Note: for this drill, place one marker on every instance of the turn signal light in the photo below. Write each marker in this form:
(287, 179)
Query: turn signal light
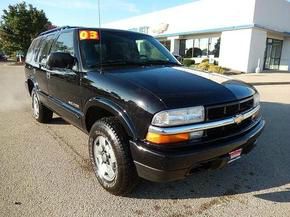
(164, 139)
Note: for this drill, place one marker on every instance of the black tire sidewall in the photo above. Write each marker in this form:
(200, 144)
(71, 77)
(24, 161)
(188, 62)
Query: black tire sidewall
(120, 183)
(45, 114)
(102, 131)
(34, 94)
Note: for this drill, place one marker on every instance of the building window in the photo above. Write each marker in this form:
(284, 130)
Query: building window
(214, 46)
(189, 48)
(192, 48)
(202, 47)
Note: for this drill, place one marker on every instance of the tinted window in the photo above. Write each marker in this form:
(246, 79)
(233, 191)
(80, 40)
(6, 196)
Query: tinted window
(30, 51)
(33, 50)
(44, 49)
(64, 43)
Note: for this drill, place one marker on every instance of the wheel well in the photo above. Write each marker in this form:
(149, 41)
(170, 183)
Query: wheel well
(95, 113)
(30, 86)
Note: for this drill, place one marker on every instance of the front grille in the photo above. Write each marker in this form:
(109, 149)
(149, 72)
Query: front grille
(228, 110)
(228, 130)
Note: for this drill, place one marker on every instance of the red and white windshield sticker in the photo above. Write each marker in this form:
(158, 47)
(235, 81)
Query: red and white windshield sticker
(89, 35)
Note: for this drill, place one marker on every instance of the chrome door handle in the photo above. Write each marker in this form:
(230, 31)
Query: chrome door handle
(48, 75)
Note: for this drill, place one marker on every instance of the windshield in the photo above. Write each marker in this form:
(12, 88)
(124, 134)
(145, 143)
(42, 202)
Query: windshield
(124, 48)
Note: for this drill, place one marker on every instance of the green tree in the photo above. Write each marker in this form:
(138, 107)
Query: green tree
(1, 46)
(21, 23)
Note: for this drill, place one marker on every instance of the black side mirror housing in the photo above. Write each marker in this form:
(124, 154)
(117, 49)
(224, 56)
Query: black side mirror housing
(60, 60)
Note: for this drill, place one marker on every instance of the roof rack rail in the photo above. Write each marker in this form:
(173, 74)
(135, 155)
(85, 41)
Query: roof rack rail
(55, 29)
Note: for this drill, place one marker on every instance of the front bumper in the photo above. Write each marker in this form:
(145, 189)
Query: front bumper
(166, 165)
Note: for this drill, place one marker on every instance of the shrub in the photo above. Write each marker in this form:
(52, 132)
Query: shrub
(216, 69)
(205, 60)
(203, 66)
(188, 62)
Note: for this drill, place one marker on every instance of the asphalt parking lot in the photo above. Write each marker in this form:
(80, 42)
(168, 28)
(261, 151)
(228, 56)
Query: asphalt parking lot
(45, 171)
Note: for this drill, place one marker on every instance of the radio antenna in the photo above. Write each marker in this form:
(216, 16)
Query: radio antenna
(100, 37)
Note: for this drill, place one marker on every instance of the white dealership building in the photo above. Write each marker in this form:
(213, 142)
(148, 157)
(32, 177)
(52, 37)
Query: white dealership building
(238, 34)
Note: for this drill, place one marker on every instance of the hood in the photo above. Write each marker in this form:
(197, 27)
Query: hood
(179, 87)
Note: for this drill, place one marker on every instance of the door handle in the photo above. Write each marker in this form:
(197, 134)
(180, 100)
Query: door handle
(48, 75)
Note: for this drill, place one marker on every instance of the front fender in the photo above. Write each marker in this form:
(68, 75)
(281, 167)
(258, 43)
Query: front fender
(115, 109)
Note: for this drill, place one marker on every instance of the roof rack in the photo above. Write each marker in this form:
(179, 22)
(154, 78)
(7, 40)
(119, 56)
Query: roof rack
(56, 29)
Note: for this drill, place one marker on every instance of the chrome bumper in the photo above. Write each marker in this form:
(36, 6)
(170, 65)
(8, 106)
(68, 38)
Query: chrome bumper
(204, 126)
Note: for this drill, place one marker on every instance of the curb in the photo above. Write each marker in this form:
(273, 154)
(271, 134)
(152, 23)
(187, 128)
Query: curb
(268, 83)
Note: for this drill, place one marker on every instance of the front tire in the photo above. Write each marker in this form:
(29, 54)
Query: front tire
(111, 158)
(40, 112)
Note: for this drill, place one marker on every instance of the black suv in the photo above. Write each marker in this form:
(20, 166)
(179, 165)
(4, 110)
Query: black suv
(146, 115)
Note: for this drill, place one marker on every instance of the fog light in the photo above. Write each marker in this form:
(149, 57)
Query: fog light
(196, 135)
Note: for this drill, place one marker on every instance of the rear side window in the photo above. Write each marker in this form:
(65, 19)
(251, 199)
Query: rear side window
(44, 49)
(64, 43)
(33, 50)
(30, 51)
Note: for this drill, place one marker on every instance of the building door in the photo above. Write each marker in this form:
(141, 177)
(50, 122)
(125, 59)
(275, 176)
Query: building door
(273, 54)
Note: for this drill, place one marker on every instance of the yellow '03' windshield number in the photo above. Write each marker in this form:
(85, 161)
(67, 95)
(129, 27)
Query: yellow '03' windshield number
(88, 35)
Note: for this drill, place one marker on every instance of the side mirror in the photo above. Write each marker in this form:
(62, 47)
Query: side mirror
(60, 60)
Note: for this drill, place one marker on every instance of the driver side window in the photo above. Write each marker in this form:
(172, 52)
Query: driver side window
(64, 43)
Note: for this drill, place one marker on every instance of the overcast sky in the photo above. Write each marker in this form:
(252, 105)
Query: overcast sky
(85, 12)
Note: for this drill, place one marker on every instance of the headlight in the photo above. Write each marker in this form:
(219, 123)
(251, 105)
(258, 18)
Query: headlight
(256, 99)
(179, 117)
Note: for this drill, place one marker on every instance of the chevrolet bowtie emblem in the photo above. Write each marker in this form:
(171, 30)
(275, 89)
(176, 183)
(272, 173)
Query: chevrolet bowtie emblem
(239, 119)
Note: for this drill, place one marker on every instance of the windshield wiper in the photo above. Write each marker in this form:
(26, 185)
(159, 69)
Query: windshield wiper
(132, 63)
(121, 62)
(160, 62)
(116, 63)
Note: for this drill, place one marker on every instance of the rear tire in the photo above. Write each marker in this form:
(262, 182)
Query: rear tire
(40, 112)
(111, 157)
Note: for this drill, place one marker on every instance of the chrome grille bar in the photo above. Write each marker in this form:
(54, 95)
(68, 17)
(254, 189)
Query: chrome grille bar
(203, 126)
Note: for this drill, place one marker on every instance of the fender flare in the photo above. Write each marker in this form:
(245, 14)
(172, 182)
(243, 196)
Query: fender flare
(32, 79)
(115, 109)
